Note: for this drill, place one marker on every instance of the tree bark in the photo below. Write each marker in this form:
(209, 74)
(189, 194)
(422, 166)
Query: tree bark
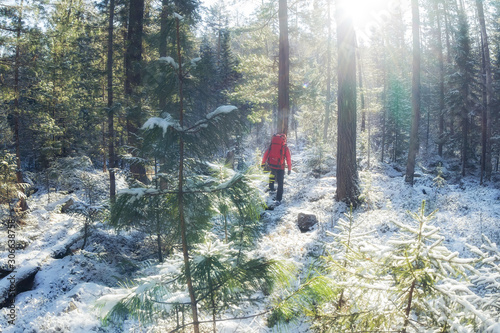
(328, 75)
(451, 123)
(408, 306)
(439, 46)
(133, 81)
(111, 132)
(347, 175)
(361, 92)
(486, 123)
(163, 45)
(284, 70)
(414, 142)
(19, 172)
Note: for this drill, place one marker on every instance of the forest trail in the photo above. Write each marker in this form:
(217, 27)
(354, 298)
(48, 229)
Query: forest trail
(68, 287)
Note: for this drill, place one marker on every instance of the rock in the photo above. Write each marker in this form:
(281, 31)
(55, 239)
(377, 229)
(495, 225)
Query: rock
(67, 205)
(71, 307)
(306, 221)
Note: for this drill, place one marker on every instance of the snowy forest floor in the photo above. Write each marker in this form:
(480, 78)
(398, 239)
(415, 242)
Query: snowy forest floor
(64, 292)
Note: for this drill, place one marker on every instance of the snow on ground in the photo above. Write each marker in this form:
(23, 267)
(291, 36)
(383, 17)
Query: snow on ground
(65, 290)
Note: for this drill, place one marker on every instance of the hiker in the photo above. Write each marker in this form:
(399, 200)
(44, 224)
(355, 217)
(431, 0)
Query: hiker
(274, 158)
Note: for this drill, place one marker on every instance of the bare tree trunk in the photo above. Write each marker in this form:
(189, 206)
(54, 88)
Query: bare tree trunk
(163, 45)
(408, 306)
(361, 92)
(441, 80)
(414, 142)
(111, 126)
(162, 49)
(447, 27)
(347, 174)
(133, 81)
(486, 123)
(328, 75)
(484, 118)
(465, 134)
(19, 172)
(284, 69)
(384, 108)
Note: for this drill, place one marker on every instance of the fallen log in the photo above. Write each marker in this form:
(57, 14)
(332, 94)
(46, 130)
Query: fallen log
(61, 251)
(16, 282)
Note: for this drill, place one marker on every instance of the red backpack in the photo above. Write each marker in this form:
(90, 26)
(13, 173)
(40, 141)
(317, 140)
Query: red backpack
(276, 151)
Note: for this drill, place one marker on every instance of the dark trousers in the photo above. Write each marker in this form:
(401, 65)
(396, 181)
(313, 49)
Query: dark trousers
(277, 176)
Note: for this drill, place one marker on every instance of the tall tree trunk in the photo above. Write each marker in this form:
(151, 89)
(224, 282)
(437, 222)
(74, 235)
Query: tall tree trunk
(162, 50)
(328, 75)
(111, 126)
(361, 92)
(17, 60)
(284, 70)
(163, 45)
(384, 109)
(415, 98)
(484, 118)
(451, 123)
(182, 219)
(347, 174)
(439, 47)
(486, 135)
(465, 134)
(133, 81)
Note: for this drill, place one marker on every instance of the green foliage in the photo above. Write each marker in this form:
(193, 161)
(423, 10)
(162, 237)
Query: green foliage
(9, 188)
(367, 287)
(320, 157)
(184, 200)
(222, 278)
(90, 208)
(486, 278)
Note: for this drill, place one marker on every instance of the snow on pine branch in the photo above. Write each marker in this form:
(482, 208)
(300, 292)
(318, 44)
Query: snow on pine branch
(170, 61)
(163, 123)
(223, 109)
(138, 193)
(220, 110)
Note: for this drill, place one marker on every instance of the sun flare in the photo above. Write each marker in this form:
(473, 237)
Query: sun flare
(371, 13)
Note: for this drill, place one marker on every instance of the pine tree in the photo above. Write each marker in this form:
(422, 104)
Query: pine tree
(461, 96)
(187, 207)
(414, 137)
(398, 115)
(284, 70)
(347, 173)
(410, 283)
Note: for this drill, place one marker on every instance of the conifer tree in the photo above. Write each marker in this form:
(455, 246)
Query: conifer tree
(397, 124)
(187, 207)
(462, 80)
(414, 139)
(488, 88)
(347, 172)
(110, 109)
(411, 283)
(284, 69)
